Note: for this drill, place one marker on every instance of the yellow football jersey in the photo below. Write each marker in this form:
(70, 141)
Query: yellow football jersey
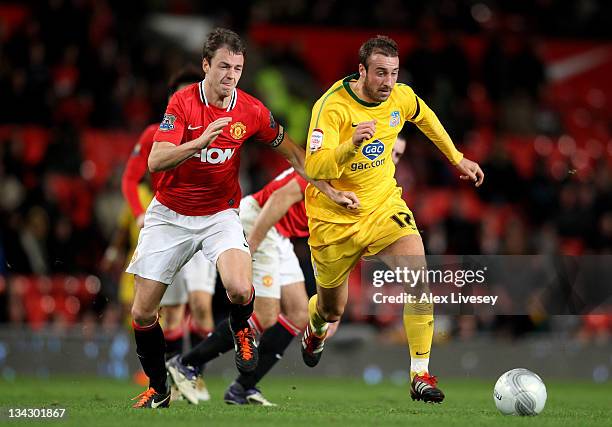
(368, 171)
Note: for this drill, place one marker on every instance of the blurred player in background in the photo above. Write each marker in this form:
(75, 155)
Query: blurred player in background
(196, 207)
(271, 217)
(195, 282)
(352, 129)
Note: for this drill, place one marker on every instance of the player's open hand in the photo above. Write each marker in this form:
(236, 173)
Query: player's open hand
(470, 170)
(347, 199)
(363, 132)
(211, 133)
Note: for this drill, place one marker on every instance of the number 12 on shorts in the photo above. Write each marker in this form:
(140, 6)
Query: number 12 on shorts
(403, 219)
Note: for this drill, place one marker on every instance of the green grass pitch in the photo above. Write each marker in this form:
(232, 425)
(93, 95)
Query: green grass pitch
(303, 402)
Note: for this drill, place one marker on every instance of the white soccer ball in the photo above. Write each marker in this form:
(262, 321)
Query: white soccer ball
(519, 392)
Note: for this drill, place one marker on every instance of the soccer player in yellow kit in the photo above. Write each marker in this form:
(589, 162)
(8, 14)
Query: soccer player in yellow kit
(352, 131)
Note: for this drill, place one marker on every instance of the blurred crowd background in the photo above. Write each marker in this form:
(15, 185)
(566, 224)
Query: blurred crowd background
(522, 87)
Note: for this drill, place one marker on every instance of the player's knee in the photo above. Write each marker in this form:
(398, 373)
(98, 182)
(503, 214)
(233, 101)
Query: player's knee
(239, 293)
(142, 316)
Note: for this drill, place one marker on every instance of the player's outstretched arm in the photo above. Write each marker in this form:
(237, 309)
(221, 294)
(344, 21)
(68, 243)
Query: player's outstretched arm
(290, 150)
(166, 155)
(293, 153)
(346, 199)
(273, 210)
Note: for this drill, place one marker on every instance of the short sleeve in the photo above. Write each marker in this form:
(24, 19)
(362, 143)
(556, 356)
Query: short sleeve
(268, 130)
(172, 127)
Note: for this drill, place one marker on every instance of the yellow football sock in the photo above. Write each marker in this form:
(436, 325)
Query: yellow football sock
(419, 326)
(318, 324)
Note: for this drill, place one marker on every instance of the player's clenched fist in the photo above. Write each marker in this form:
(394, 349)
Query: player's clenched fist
(211, 133)
(363, 132)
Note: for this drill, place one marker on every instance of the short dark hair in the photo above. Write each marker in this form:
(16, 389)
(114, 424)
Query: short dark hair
(379, 44)
(186, 75)
(222, 37)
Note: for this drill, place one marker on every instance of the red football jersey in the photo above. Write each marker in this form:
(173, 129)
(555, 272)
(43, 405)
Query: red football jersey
(137, 167)
(295, 221)
(207, 183)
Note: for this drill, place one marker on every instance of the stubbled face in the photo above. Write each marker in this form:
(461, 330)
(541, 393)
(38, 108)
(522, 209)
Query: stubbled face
(398, 150)
(380, 77)
(224, 71)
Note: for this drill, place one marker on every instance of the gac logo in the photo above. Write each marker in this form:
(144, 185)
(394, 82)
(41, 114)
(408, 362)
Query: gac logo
(373, 149)
(215, 155)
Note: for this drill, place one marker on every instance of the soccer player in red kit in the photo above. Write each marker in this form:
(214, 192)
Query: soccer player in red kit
(196, 207)
(195, 282)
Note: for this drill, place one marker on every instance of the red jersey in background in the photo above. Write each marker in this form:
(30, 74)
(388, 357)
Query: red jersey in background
(295, 221)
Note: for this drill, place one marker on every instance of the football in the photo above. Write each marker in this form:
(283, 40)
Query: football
(519, 392)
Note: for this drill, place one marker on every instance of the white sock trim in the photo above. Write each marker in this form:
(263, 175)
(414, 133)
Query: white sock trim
(419, 365)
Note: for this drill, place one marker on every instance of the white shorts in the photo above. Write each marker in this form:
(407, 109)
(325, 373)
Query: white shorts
(199, 274)
(169, 239)
(274, 263)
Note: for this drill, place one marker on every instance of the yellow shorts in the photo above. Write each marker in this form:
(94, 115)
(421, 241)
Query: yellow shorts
(336, 248)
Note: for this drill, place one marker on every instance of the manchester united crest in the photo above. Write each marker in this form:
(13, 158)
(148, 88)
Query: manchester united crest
(267, 281)
(237, 130)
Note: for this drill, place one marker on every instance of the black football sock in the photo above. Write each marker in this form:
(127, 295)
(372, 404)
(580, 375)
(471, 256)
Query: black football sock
(240, 313)
(195, 339)
(174, 342)
(217, 343)
(150, 348)
(272, 345)
(197, 334)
